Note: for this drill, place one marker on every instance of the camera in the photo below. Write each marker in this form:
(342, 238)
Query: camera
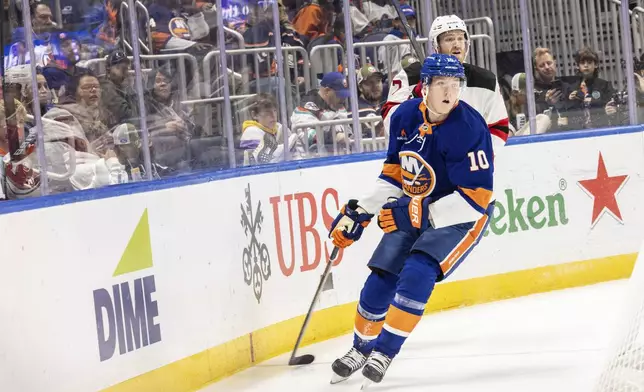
(620, 98)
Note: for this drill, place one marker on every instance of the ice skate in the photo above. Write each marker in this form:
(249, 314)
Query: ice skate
(375, 368)
(345, 366)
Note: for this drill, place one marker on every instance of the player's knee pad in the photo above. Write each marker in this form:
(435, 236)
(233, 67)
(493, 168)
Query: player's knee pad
(378, 291)
(416, 282)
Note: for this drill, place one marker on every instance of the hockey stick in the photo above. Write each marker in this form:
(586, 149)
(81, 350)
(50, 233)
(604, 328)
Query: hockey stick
(308, 358)
(420, 53)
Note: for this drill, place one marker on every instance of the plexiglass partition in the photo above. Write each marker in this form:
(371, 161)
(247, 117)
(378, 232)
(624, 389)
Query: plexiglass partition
(102, 93)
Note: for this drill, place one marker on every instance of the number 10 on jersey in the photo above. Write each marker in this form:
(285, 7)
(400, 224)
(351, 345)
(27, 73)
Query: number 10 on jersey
(478, 160)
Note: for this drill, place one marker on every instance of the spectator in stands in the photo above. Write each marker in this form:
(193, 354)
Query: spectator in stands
(547, 86)
(359, 21)
(107, 33)
(64, 67)
(118, 96)
(326, 103)
(22, 142)
(370, 90)
(377, 11)
(170, 29)
(44, 99)
(14, 8)
(323, 60)
(41, 17)
(169, 128)
(551, 92)
(517, 110)
(17, 81)
(14, 118)
(87, 108)
(315, 18)
(63, 134)
(617, 107)
(171, 33)
(259, 34)
(42, 22)
(258, 12)
(262, 137)
(285, 21)
(44, 40)
(590, 94)
(65, 123)
(391, 56)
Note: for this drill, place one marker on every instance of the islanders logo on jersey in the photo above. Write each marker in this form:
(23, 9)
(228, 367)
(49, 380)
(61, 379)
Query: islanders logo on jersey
(418, 177)
(179, 28)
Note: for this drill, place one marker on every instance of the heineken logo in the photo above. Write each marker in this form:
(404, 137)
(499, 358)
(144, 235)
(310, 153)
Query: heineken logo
(513, 214)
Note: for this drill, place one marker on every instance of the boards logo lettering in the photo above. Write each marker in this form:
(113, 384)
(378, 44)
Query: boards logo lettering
(516, 214)
(418, 177)
(125, 315)
(256, 261)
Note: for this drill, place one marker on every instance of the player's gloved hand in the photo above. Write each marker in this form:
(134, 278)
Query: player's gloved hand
(406, 213)
(348, 226)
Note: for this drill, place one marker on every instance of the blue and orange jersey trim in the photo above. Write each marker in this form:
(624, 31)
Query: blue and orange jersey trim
(478, 198)
(392, 173)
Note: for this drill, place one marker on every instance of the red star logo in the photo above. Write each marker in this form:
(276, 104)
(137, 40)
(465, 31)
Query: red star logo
(603, 190)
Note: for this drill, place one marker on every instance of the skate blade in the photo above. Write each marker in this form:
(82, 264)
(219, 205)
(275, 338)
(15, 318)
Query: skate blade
(335, 379)
(365, 384)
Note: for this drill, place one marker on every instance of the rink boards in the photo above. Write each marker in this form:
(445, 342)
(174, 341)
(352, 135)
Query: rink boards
(169, 286)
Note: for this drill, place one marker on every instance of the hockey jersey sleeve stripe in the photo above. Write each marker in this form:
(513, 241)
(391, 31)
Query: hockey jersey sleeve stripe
(386, 107)
(480, 196)
(500, 129)
(392, 171)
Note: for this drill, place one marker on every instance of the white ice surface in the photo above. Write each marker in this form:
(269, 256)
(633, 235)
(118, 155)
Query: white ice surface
(545, 342)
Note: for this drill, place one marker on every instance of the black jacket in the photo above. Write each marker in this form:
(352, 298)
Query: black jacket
(588, 114)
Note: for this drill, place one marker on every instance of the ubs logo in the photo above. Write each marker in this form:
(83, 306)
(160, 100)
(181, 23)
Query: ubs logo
(418, 177)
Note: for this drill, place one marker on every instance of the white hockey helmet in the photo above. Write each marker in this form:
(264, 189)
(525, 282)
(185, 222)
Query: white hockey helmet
(443, 24)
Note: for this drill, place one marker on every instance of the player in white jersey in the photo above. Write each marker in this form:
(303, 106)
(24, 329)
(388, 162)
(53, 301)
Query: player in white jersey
(402, 88)
(449, 35)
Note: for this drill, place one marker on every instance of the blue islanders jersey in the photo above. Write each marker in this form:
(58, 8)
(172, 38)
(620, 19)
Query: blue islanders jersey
(450, 162)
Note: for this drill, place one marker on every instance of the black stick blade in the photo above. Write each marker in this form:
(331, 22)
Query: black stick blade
(301, 360)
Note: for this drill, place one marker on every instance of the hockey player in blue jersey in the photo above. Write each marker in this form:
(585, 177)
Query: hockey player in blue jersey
(434, 202)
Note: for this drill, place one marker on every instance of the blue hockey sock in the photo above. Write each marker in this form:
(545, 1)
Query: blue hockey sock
(415, 285)
(375, 297)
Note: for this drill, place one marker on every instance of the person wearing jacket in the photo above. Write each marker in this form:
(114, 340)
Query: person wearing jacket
(315, 18)
(587, 102)
(323, 104)
(260, 34)
(518, 110)
(118, 97)
(170, 129)
(391, 56)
